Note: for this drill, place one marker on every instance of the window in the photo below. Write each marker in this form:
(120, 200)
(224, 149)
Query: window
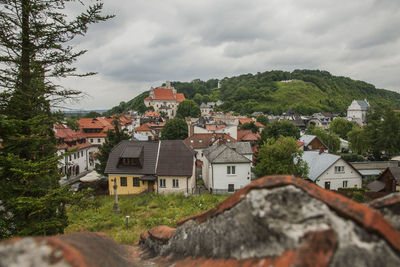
(82, 153)
(123, 181)
(175, 183)
(230, 169)
(74, 156)
(231, 188)
(162, 182)
(91, 140)
(69, 157)
(98, 140)
(344, 184)
(136, 182)
(78, 155)
(328, 185)
(339, 169)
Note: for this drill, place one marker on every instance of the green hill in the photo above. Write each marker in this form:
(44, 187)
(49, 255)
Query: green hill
(307, 92)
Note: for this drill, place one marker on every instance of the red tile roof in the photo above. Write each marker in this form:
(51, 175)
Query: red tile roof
(247, 135)
(66, 135)
(258, 124)
(97, 123)
(163, 94)
(244, 120)
(166, 94)
(180, 97)
(249, 120)
(143, 128)
(152, 114)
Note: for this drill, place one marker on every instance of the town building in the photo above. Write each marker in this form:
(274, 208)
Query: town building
(330, 171)
(388, 181)
(95, 129)
(227, 166)
(357, 111)
(312, 142)
(164, 99)
(75, 143)
(156, 166)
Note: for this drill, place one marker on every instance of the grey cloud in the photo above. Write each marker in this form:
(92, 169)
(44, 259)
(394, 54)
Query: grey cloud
(150, 41)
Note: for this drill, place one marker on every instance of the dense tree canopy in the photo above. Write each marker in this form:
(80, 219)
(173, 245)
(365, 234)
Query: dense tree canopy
(331, 140)
(380, 136)
(280, 156)
(175, 129)
(276, 129)
(188, 108)
(92, 114)
(341, 127)
(308, 92)
(250, 126)
(33, 52)
(262, 119)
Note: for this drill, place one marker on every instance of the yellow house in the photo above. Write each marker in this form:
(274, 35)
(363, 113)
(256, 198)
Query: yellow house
(157, 166)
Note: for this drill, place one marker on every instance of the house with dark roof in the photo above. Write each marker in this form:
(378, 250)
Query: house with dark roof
(312, 142)
(164, 99)
(388, 181)
(330, 171)
(156, 166)
(227, 166)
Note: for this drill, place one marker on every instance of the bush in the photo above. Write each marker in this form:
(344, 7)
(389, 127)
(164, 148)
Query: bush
(358, 197)
(352, 157)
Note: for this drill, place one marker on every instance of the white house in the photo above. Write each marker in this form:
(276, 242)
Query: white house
(357, 111)
(164, 99)
(78, 160)
(330, 171)
(205, 109)
(227, 167)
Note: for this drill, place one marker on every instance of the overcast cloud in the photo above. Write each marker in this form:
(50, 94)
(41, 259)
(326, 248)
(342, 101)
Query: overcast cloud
(151, 41)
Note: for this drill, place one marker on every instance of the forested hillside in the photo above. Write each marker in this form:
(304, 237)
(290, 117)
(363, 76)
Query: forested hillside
(309, 91)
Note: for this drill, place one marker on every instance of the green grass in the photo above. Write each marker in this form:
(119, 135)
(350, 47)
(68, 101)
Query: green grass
(146, 211)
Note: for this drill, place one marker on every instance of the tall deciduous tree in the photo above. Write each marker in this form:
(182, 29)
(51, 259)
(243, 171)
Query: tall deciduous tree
(33, 52)
(188, 108)
(281, 156)
(331, 140)
(341, 127)
(276, 129)
(250, 126)
(174, 129)
(113, 138)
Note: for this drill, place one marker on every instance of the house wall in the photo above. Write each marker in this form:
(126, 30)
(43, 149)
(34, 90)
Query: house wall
(77, 161)
(240, 179)
(315, 145)
(129, 189)
(230, 130)
(184, 185)
(158, 103)
(353, 178)
(97, 141)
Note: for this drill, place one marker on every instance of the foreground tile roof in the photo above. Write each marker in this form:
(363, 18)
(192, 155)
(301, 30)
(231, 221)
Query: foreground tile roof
(323, 229)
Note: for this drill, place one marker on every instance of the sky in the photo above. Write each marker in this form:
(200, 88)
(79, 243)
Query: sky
(149, 42)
